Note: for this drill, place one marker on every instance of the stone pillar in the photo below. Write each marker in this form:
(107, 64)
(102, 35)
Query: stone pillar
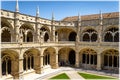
(37, 33)
(37, 64)
(99, 64)
(56, 37)
(0, 66)
(100, 28)
(21, 68)
(42, 39)
(25, 37)
(15, 69)
(17, 24)
(53, 33)
(41, 61)
(77, 59)
(56, 61)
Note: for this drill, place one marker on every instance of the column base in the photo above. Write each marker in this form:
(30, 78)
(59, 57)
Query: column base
(15, 75)
(55, 66)
(77, 65)
(99, 68)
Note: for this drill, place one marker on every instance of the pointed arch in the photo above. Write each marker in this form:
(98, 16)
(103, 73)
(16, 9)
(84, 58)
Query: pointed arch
(86, 37)
(110, 59)
(31, 59)
(110, 35)
(27, 32)
(89, 34)
(72, 36)
(6, 35)
(116, 37)
(46, 37)
(10, 62)
(94, 37)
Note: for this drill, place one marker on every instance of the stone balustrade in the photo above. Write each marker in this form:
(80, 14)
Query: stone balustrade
(59, 43)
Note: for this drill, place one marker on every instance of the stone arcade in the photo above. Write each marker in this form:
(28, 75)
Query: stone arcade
(33, 44)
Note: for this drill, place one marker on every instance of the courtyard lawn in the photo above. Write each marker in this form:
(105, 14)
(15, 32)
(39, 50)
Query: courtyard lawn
(61, 76)
(92, 76)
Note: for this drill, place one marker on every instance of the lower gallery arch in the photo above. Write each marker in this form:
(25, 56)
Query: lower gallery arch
(66, 57)
(49, 58)
(72, 57)
(88, 58)
(110, 60)
(10, 63)
(31, 60)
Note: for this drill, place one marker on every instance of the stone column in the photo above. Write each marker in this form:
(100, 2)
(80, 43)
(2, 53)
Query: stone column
(56, 38)
(56, 61)
(99, 61)
(25, 37)
(77, 59)
(0, 66)
(21, 68)
(41, 61)
(15, 69)
(17, 24)
(37, 64)
(53, 33)
(42, 39)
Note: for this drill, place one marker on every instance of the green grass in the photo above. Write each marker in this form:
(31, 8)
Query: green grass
(92, 76)
(60, 76)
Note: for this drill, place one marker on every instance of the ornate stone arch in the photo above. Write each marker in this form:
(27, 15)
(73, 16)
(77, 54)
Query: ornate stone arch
(87, 35)
(110, 59)
(7, 30)
(109, 34)
(31, 60)
(88, 56)
(27, 28)
(10, 63)
(5, 22)
(64, 33)
(66, 56)
(49, 57)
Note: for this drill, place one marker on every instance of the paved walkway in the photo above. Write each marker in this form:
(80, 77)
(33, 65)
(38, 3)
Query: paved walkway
(71, 72)
(74, 75)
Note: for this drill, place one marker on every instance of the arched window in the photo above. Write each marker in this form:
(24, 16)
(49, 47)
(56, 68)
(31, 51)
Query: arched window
(108, 37)
(72, 57)
(90, 35)
(111, 58)
(86, 37)
(112, 35)
(46, 59)
(46, 37)
(116, 37)
(88, 57)
(72, 36)
(29, 37)
(6, 36)
(6, 65)
(28, 62)
(94, 37)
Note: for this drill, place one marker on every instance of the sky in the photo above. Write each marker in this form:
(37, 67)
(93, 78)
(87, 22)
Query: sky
(62, 9)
